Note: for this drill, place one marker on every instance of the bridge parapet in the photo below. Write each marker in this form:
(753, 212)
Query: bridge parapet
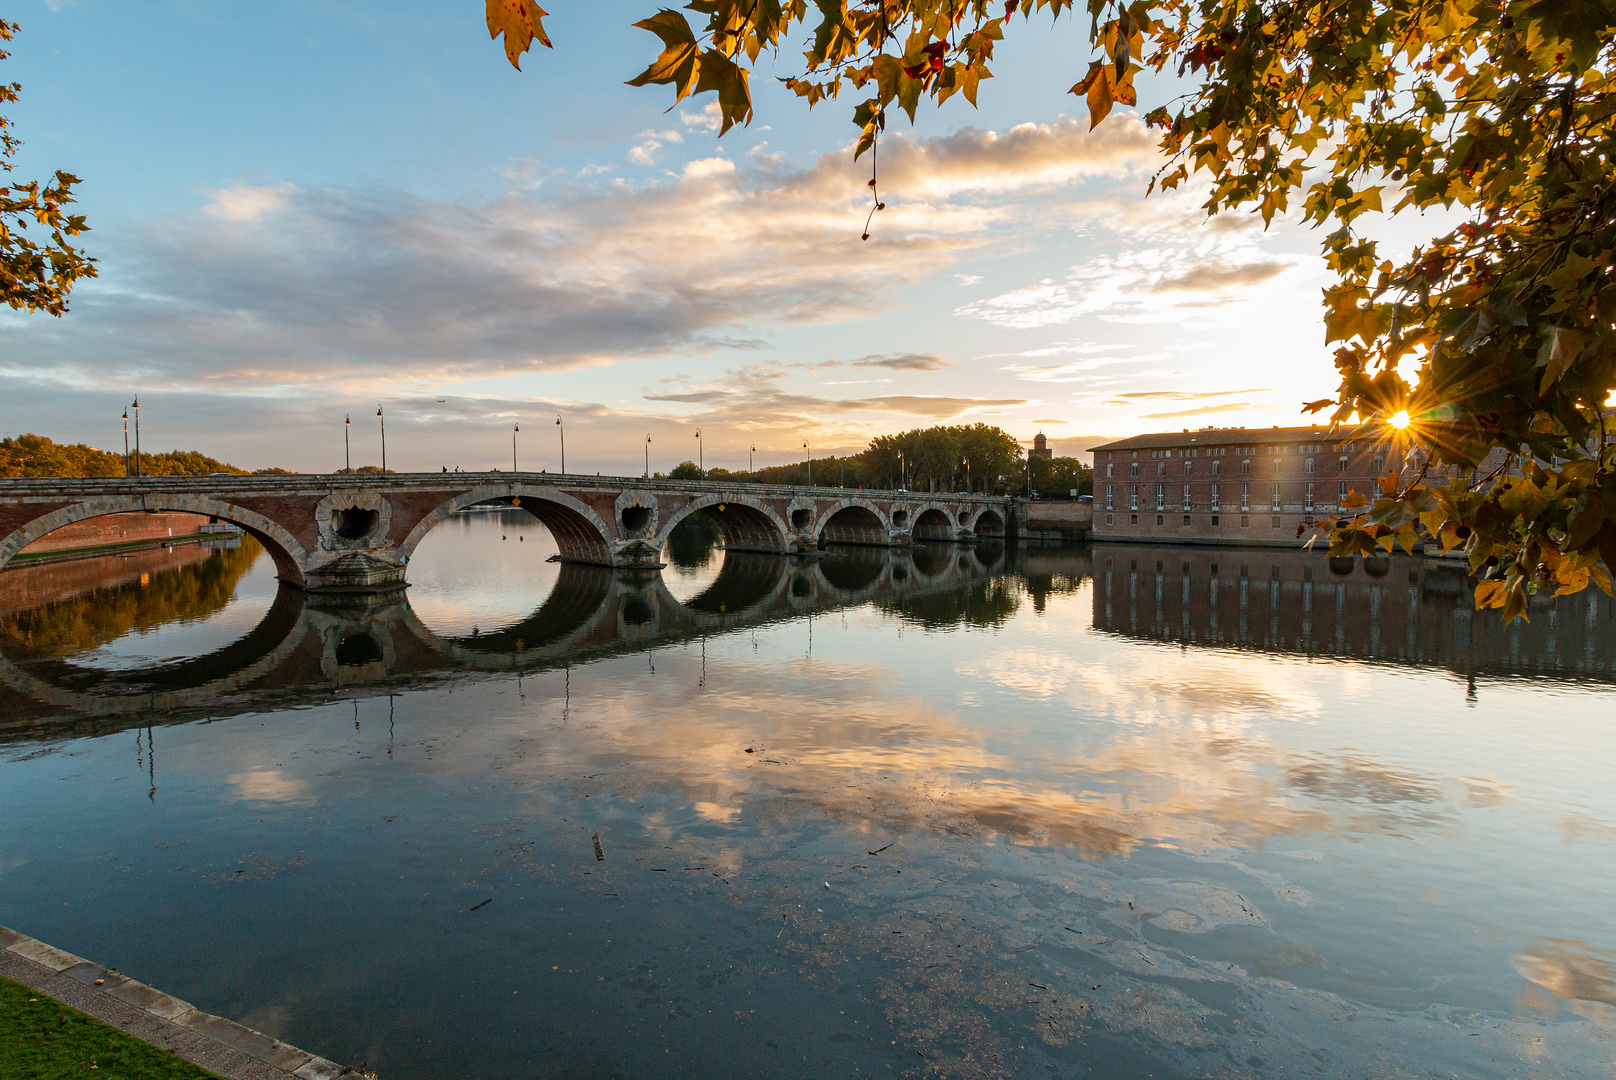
(357, 532)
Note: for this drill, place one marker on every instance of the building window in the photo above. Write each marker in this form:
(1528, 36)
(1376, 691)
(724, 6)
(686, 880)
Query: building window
(1380, 466)
(1161, 468)
(1108, 502)
(1245, 496)
(1276, 466)
(1158, 519)
(1308, 503)
(1133, 500)
(1216, 467)
(1245, 522)
(1188, 502)
(1135, 470)
(1276, 496)
(1245, 467)
(1189, 466)
(1342, 461)
(1110, 471)
(1214, 496)
(1161, 496)
(1276, 521)
(1342, 493)
(1133, 519)
(1308, 468)
(1186, 521)
(1214, 521)
(1110, 519)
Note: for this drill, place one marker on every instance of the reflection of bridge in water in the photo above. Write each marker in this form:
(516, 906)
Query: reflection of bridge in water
(1404, 610)
(306, 647)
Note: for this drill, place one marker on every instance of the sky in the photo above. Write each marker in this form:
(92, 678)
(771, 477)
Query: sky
(310, 209)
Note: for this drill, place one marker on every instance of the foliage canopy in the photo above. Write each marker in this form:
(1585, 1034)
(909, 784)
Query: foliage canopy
(1497, 338)
(36, 273)
(37, 455)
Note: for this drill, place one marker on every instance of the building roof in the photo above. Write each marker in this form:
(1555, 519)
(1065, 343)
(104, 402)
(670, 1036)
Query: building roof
(1222, 437)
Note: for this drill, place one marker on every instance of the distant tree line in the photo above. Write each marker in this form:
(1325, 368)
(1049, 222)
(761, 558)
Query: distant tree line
(942, 458)
(36, 455)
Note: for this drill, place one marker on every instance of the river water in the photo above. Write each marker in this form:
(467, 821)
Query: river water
(1120, 811)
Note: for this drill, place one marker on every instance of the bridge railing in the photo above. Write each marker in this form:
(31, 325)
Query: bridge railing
(281, 482)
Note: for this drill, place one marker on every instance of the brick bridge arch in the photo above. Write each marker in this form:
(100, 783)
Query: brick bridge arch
(581, 534)
(289, 554)
(746, 523)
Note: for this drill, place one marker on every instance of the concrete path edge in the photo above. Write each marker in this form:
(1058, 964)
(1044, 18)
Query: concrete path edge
(221, 1046)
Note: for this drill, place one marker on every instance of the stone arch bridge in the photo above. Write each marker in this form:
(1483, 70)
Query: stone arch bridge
(342, 532)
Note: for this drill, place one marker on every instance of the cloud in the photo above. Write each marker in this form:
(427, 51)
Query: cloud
(1166, 258)
(361, 287)
(1028, 156)
(903, 362)
(966, 280)
(1187, 395)
(752, 398)
(711, 117)
(244, 202)
(1204, 410)
(1217, 276)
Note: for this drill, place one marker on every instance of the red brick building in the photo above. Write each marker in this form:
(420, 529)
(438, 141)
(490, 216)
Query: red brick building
(1231, 485)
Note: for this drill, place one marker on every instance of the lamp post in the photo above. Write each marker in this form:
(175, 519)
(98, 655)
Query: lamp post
(514, 430)
(701, 462)
(561, 429)
(903, 473)
(751, 467)
(648, 456)
(967, 476)
(347, 457)
(136, 407)
(383, 420)
(126, 468)
(810, 450)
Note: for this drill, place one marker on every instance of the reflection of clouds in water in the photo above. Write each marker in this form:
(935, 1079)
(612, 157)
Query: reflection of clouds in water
(1038, 673)
(1153, 688)
(1572, 971)
(844, 744)
(263, 785)
(1161, 686)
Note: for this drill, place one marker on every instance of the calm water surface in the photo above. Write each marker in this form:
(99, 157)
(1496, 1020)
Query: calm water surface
(1113, 812)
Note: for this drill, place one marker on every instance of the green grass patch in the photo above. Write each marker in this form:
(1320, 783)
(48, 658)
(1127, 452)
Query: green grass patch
(42, 1039)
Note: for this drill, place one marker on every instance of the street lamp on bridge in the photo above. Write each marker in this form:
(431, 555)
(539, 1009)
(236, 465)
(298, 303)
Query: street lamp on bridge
(136, 407)
(810, 450)
(561, 429)
(347, 458)
(514, 430)
(383, 420)
(701, 462)
(648, 457)
(126, 469)
(751, 454)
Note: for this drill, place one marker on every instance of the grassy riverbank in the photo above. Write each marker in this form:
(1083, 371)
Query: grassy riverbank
(42, 1039)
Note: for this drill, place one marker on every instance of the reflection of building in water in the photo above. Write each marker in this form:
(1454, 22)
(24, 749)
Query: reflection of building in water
(1403, 609)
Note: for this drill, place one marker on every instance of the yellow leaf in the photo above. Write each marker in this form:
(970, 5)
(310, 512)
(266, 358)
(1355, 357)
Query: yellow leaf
(521, 21)
(1489, 594)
